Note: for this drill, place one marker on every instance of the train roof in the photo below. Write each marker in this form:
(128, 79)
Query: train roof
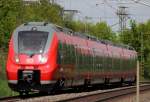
(90, 37)
(79, 34)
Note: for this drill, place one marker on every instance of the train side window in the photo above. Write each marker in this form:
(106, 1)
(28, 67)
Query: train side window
(113, 61)
(95, 56)
(78, 57)
(72, 52)
(120, 62)
(109, 62)
(69, 54)
(96, 60)
(102, 62)
(58, 57)
(59, 53)
(84, 62)
(90, 60)
(82, 59)
(65, 53)
(130, 62)
(134, 61)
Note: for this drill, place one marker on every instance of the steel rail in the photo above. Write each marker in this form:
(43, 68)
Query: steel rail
(107, 95)
(19, 98)
(100, 96)
(10, 99)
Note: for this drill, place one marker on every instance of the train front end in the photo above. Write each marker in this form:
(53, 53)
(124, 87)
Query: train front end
(32, 59)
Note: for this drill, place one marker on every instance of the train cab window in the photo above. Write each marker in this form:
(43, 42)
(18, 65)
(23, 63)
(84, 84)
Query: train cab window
(32, 42)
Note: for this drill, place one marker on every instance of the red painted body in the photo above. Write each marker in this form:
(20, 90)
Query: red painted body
(26, 63)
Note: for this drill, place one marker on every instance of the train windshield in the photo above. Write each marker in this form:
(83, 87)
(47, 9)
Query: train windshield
(32, 42)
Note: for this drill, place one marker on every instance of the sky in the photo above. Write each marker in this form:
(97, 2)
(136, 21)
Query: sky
(105, 10)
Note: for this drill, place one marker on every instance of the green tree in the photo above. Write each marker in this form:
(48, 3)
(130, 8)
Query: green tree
(139, 35)
(9, 12)
(43, 11)
(103, 31)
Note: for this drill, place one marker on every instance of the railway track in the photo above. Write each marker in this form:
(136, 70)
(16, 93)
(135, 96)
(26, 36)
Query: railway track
(107, 95)
(90, 96)
(10, 99)
(19, 98)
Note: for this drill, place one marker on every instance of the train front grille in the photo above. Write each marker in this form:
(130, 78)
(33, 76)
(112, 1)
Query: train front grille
(29, 76)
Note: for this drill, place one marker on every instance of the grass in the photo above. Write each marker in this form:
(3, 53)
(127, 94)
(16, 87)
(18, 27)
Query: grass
(4, 89)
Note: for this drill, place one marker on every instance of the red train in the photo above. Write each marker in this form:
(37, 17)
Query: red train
(43, 57)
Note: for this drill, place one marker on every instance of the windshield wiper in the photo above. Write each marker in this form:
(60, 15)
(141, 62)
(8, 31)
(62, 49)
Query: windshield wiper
(31, 55)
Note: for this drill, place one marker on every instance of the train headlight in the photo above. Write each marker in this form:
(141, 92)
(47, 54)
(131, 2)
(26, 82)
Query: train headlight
(17, 59)
(43, 59)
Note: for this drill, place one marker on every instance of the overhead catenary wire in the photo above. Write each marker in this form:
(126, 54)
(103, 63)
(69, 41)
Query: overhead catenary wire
(142, 3)
(109, 5)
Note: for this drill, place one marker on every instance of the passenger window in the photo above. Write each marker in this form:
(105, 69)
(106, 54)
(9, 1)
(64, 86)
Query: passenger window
(59, 53)
(58, 57)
